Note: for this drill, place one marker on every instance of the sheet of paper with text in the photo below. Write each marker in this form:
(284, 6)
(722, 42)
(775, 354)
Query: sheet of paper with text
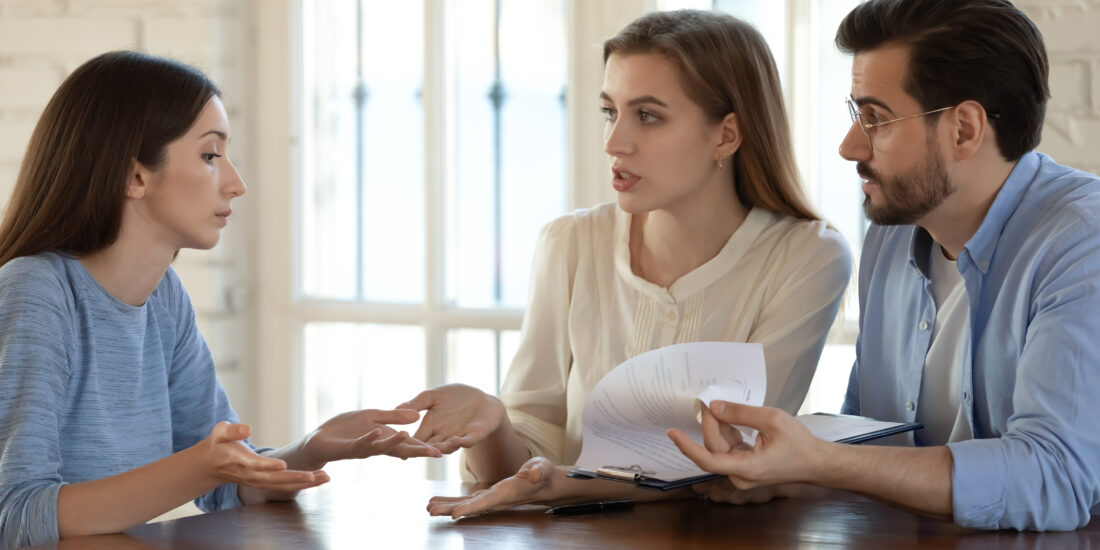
(626, 417)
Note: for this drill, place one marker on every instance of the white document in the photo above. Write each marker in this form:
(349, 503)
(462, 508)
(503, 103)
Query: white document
(629, 412)
(835, 427)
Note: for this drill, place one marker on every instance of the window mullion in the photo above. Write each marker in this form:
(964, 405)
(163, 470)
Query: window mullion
(437, 69)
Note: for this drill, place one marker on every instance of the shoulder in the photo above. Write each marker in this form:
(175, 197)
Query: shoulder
(1060, 211)
(811, 242)
(1063, 195)
(42, 277)
(564, 231)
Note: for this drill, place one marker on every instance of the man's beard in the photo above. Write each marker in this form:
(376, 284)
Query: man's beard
(909, 197)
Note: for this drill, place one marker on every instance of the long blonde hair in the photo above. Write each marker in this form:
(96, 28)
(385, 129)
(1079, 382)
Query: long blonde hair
(726, 67)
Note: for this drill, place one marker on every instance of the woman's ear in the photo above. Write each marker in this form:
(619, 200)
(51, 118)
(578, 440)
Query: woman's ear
(730, 140)
(138, 185)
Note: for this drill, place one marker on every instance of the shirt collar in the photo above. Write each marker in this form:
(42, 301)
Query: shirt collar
(979, 249)
(981, 246)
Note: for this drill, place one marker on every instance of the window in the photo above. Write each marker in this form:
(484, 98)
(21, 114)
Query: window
(431, 161)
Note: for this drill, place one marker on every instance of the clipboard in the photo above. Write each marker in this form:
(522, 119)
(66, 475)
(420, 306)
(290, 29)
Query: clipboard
(634, 475)
(900, 427)
(638, 476)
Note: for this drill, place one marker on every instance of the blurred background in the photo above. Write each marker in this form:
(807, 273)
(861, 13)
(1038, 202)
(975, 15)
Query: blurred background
(401, 157)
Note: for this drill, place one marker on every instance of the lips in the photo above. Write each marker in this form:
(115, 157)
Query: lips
(223, 216)
(623, 180)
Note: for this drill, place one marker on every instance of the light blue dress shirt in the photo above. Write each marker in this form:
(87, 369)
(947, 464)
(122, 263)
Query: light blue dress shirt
(1031, 377)
(91, 387)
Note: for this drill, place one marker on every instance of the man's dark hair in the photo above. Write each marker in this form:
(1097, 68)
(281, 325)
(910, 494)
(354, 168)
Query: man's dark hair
(982, 50)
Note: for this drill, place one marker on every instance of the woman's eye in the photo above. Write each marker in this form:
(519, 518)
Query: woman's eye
(608, 113)
(647, 117)
(209, 157)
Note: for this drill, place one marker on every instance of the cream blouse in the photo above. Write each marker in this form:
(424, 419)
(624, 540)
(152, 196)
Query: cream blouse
(777, 281)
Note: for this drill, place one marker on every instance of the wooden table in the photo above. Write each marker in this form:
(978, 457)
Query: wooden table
(351, 516)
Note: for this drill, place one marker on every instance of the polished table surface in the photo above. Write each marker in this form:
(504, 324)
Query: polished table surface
(351, 516)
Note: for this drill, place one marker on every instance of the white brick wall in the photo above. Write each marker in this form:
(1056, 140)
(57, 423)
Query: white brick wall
(1072, 131)
(41, 41)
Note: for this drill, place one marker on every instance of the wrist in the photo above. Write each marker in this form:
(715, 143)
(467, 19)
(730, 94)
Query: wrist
(197, 460)
(301, 455)
(825, 465)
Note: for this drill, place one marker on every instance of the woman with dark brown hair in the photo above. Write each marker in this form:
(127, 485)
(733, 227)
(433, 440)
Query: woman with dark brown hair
(711, 239)
(110, 413)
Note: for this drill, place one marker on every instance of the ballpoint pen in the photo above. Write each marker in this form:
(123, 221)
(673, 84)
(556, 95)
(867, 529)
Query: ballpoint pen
(591, 507)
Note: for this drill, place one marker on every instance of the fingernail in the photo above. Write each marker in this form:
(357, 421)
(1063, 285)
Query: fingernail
(717, 407)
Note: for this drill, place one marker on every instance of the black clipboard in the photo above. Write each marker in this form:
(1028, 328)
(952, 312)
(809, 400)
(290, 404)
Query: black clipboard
(640, 479)
(634, 474)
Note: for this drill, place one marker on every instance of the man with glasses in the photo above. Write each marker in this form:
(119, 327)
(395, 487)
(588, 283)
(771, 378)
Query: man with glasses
(979, 285)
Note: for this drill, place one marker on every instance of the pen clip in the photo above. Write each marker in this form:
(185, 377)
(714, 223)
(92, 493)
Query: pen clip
(624, 473)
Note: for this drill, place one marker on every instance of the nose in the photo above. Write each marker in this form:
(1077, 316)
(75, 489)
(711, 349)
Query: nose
(855, 145)
(232, 182)
(617, 140)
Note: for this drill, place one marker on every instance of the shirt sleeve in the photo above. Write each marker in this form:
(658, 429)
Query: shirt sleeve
(534, 390)
(35, 335)
(1042, 472)
(800, 308)
(198, 400)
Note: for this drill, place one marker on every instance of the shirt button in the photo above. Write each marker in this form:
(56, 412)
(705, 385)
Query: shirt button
(671, 316)
(909, 406)
(923, 325)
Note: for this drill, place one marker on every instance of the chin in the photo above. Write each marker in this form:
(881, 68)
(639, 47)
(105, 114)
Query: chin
(632, 204)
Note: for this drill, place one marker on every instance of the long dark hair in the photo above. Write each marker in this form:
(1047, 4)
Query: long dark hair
(115, 109)
(726, 67)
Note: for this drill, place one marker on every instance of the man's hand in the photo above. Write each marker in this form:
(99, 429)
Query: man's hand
(785, 450)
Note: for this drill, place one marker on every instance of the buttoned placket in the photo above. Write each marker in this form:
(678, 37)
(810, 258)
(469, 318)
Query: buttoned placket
(922, 327)
(670, 318)
(972, 275)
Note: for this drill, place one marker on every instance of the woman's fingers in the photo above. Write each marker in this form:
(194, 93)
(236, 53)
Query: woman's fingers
(396, 416)
(482, 502)
(225, 431)
(287, 480)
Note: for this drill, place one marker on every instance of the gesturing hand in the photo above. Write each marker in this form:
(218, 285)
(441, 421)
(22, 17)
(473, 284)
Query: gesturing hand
(229, 460)
(785, 450)
(458, 416)
(532, 483)
(359, 434)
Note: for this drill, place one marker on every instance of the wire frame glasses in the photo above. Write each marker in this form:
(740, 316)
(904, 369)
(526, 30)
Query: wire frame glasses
(869, 128)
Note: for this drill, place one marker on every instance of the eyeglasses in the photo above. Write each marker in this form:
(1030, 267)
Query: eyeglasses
(869, 128)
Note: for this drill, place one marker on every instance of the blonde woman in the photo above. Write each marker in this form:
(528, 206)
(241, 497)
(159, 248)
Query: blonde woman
(711, 239)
